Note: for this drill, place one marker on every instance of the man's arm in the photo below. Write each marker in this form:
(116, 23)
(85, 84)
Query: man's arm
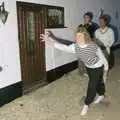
(105, 63)
(60, 40)
(104, 60)
(111, 38)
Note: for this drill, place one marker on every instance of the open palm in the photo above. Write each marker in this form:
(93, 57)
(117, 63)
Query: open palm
(48, 40)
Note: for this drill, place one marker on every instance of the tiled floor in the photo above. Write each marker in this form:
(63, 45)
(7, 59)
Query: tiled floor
(62, 100)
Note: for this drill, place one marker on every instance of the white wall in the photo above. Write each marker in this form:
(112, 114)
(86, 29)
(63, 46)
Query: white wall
(74, 10)
(75, 17)
(56, 58)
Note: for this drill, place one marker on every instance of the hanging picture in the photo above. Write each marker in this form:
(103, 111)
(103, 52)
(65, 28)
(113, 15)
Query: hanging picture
(55, 17)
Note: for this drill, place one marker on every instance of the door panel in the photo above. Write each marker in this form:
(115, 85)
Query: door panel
(31, 21)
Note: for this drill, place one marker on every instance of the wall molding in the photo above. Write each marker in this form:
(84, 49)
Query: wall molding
(58, 72)
(14, 91)
(10, 93)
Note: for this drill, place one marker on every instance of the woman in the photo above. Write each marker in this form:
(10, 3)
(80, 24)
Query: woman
(104, 35)
(93, 59)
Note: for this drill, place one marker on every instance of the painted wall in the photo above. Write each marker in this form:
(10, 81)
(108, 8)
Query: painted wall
(74, 10)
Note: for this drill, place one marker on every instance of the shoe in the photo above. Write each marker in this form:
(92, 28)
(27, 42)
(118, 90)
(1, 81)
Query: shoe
(84, 110)
(99, 99)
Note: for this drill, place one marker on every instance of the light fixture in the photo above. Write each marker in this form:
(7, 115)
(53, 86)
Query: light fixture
(3, 13)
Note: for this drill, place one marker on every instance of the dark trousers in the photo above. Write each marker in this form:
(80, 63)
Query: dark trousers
(111, 60)
(95, 84)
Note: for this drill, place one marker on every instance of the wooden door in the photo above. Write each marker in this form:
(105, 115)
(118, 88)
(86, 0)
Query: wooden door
(31, 21)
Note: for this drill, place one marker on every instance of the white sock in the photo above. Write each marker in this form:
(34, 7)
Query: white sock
(84, 110)
(99, 99)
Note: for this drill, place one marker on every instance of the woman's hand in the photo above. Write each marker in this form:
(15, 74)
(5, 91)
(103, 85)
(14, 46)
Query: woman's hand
(48, 40)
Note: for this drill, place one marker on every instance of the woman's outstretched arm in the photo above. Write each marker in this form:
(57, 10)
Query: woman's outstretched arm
(57, 45)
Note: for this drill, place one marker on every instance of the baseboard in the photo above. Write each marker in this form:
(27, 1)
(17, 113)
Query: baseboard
(58, 72)
(10, 93)
(14, 91)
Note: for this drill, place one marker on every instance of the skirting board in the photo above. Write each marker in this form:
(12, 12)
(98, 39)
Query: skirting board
(14, 91)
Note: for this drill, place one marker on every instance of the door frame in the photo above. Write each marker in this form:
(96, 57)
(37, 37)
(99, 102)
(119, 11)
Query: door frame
(38, 83)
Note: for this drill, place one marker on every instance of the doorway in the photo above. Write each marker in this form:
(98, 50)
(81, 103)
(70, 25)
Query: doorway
(31, 22)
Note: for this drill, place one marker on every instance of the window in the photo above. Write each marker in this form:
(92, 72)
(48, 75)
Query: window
(55, 17)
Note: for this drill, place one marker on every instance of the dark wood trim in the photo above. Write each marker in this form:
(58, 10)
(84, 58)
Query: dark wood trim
(29, 4)
(37, 7)
(32, 53)
(11, 92)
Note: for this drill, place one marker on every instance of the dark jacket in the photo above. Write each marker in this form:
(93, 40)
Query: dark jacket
(91, 28)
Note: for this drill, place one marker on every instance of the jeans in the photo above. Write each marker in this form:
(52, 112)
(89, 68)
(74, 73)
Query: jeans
(95, 84)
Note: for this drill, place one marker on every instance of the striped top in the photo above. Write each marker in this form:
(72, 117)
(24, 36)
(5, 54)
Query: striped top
(87, 54)
(90, 54)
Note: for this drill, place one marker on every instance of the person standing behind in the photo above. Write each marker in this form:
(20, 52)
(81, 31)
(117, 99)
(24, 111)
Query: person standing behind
(104, 36)
(89, 24)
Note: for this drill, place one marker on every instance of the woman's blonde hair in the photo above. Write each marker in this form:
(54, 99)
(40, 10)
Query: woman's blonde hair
(82, 29)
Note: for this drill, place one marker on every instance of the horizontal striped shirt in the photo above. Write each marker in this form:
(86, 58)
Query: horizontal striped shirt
(87, 54)
(90, 54)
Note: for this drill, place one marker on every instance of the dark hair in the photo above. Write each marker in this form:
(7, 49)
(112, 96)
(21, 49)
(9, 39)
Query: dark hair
(105, 18)
(90, 14)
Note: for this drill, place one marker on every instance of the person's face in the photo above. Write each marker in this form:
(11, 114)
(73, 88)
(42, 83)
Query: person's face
(87, 19)
(80, 38)
(102, 23)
